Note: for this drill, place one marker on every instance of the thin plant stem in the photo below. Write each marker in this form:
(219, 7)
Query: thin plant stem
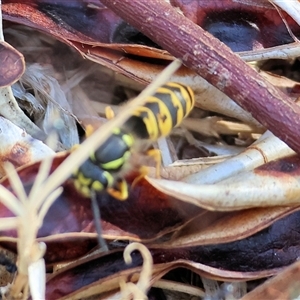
(8, 223)
(10, 201)
(15, 182)
(37, 194)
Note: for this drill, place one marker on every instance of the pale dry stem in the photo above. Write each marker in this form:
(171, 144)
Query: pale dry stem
(30, 213)
(138, 290)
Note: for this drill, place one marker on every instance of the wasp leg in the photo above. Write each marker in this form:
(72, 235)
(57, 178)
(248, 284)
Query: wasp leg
(143, 170)
(155, 153)
(89, 130)
(121, 190)
(97, 221)
(109, 113)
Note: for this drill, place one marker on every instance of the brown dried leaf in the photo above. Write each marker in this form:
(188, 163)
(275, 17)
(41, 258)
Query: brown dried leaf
(217, 228)
(261, 255)
(278, 180)
(285, 286)
(12, 65)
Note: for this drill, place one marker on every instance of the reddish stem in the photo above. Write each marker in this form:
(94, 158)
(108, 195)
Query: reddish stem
(215, 62)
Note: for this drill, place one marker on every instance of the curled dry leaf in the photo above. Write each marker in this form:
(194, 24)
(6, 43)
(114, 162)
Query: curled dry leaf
(292, 7)
(211, 228)
(279, 181)
(283, 286)
(266, 149)
(12, 65)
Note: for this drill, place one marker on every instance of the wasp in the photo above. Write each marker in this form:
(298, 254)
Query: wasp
(105, 168)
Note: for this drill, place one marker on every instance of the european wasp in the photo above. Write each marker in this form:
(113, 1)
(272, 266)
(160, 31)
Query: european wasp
(104, 169)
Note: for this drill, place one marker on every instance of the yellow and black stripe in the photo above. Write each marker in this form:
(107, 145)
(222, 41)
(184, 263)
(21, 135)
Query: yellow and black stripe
(163, 111)
(166, 109)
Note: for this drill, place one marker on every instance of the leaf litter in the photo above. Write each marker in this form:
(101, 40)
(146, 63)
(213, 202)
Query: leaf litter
(203, 231)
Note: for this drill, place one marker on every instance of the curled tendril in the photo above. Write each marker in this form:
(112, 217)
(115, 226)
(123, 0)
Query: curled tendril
(138, 290)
